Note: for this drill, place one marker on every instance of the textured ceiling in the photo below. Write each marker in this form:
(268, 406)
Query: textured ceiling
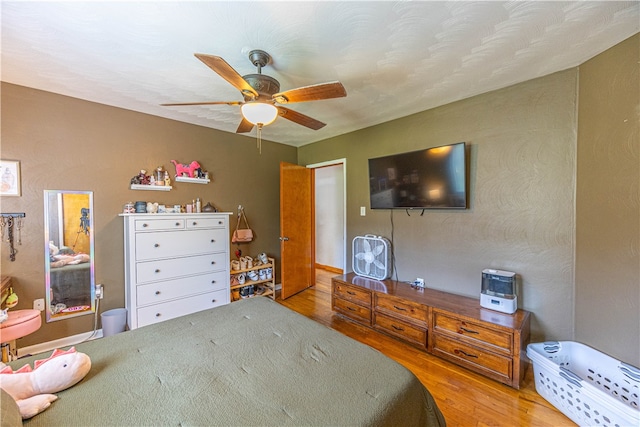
(394, 58)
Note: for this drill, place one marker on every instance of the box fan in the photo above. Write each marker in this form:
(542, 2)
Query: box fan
(372, 257)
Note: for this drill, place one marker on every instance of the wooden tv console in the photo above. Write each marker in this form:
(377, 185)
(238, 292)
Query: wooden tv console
(450, 326)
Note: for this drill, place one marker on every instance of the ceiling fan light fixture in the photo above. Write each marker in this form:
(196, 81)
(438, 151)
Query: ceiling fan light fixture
(259, 112)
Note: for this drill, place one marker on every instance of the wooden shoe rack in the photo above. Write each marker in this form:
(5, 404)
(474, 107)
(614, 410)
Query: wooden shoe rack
(268, 284)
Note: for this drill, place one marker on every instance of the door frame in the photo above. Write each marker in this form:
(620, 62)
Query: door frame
(343, 162)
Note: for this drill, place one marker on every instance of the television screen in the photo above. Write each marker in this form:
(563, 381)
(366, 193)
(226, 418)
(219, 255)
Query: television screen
(434, 178)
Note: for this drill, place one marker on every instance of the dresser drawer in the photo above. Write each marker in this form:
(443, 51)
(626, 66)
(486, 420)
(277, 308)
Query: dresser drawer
(156, 292)
(159, 224)
(402, 309)
(197, 223)
(171, 244)
(473, 333)
(352, 293)
(171, 309)
(152, 271)
(355, 311)
(398, 328)
(482, 361)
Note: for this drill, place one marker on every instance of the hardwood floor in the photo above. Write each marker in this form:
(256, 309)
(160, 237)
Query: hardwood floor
(464, 397)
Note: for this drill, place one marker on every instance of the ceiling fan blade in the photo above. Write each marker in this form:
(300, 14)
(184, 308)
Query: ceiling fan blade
(300, 118)
(311, 93)
(204, 103)
(227, 72)
(245, 126)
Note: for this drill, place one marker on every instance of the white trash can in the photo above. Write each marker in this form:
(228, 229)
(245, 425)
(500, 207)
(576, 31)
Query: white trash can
(114, 321)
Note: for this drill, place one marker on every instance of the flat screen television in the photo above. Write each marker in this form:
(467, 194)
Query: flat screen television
(433, 178)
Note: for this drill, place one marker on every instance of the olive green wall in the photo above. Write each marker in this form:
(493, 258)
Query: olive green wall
(64, 143)
(522, 143)
(524, 165)
(608, 202)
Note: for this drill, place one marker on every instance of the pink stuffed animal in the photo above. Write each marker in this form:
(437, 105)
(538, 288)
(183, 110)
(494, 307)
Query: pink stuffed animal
(32, 388)
(188, 169)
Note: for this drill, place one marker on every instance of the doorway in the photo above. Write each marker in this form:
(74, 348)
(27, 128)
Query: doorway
(330, 215)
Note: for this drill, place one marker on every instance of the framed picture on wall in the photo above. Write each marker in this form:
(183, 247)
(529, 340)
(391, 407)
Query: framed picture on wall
(9, 178)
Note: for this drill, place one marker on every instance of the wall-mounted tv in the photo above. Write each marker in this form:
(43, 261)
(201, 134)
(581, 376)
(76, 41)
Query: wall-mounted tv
(433, 178)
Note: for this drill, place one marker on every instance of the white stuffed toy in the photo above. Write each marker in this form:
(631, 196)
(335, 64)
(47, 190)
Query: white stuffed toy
(32, 388)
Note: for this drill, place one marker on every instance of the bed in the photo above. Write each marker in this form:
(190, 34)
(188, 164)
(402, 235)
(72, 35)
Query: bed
(252, 362)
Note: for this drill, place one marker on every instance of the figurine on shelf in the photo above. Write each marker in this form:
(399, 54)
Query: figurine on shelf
(167, 180)
(189, 169)
(141, 179)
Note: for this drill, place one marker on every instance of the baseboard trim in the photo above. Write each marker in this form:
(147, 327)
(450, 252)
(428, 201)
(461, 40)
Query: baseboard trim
(330, 268)
(59, 343)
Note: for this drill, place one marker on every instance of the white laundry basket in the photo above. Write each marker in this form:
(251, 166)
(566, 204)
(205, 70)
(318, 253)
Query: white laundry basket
(588, 386)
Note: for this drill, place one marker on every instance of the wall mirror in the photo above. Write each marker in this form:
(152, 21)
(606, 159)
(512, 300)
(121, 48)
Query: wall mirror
(69, 255)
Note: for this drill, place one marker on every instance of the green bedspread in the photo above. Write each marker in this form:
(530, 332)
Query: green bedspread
(252, 362)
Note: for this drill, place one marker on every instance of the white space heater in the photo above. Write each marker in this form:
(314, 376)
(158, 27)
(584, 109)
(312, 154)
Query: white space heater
(371, 257)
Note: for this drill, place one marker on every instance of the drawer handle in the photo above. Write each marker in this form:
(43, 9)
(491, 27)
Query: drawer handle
(458, 351)
(158, 314)
(157, 270)
(157, 245)
(157, 292)
(397, 328)
(213, 300)
(213, 262)
(469, 331)
(351, 292)
(399, 308)
(220, 222)
(194, 223)
(213, 240)
(213, 281)
(177, 224)
(351, 309)
(145, 225)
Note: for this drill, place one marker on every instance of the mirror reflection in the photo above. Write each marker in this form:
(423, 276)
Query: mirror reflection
(69, 271)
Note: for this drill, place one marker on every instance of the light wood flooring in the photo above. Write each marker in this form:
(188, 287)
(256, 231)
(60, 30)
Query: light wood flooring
(464, 397)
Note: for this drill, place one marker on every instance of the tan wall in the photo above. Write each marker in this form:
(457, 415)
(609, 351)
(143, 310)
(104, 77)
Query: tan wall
(69, 144)
(608, 203)
(522, 166)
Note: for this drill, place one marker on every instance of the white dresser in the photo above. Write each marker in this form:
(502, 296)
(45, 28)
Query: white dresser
(175, 264)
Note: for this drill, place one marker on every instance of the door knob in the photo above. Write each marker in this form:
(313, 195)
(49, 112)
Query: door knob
(283, 239)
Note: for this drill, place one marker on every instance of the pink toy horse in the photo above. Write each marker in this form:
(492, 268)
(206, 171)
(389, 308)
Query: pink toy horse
(188, 169)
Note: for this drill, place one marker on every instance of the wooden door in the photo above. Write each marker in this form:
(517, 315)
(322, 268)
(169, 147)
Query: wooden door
(297, 253)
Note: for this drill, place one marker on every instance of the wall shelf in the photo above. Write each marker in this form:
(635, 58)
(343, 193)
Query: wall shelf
(151, 187)
(191, 180)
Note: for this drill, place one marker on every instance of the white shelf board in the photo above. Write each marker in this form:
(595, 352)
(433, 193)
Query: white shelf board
(191, 180)
(151, 187)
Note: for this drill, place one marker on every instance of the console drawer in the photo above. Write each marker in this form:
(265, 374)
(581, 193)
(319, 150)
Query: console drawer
(482, 361)
(473, 333)
(352, 293)
(398, 328)
(354, 311)
(402, 309)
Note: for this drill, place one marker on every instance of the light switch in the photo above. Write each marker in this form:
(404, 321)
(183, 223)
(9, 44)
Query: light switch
(363, 211)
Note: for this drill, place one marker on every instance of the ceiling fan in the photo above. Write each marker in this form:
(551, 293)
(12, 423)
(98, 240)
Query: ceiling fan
(262, 92)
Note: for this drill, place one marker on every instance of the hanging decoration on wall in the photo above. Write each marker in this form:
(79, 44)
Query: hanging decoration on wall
(9, 224)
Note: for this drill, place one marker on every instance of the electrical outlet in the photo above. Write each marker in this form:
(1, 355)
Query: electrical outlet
(419, 282)
(38, 304)
(99, 291)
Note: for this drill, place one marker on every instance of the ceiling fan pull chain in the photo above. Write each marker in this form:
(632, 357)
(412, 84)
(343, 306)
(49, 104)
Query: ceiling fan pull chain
(260, 138)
